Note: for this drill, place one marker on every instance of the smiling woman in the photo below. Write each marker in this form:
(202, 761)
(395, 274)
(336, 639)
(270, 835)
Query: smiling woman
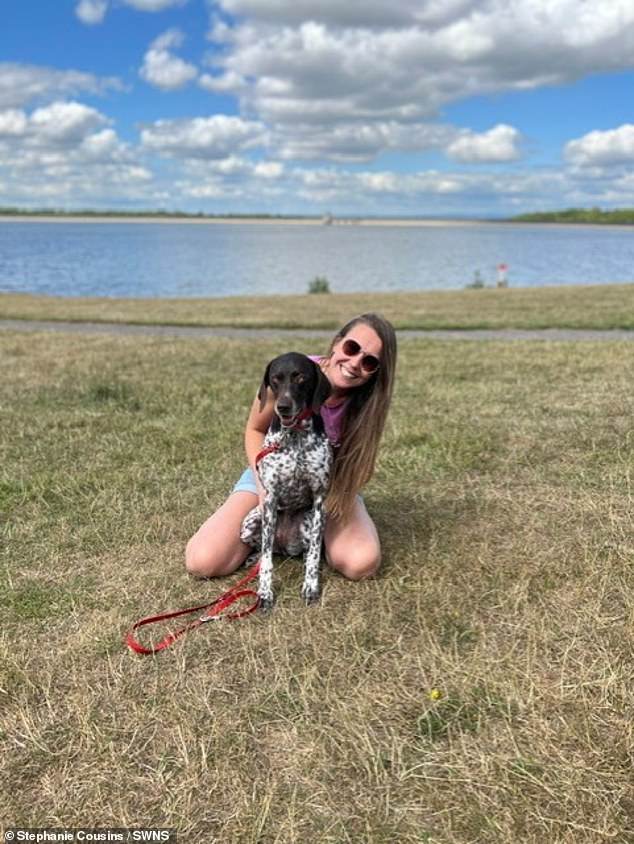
(360, 366)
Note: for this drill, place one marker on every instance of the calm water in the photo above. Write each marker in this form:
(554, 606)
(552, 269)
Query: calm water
(187, 260)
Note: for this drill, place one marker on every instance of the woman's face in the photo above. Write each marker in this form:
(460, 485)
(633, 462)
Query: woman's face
(347, 371)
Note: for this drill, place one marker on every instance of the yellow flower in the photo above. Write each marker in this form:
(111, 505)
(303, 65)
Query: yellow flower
(435, 694)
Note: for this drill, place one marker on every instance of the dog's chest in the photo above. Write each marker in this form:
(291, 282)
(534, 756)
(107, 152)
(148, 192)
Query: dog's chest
(297, 469)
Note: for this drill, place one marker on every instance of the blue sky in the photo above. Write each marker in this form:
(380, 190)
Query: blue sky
(461, 108)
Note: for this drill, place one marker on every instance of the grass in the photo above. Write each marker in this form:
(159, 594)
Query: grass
(601, 307)
(478, 690)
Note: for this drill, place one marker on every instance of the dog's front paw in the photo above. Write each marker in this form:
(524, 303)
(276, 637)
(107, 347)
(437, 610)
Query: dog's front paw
(310, 594)
(266, 601)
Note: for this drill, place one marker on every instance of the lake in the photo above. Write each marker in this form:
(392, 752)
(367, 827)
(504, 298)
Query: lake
(196, 259)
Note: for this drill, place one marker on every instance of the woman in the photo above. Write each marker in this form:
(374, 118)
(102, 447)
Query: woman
(360, 367)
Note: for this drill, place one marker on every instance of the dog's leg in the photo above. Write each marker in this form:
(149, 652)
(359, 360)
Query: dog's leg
(251, 528)
(269, 518)
(310, 588)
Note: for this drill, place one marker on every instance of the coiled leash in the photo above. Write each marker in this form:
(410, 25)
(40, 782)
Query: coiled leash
(212, 612)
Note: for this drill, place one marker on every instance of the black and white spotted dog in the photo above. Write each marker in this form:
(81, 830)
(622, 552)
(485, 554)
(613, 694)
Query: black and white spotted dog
(294, 469)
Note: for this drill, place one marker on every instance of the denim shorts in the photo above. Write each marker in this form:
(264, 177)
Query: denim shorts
(246, 482)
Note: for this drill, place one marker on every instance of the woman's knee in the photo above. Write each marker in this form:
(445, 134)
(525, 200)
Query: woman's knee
(356, 563)
(215, 549)
(202, 560)
(198, 561)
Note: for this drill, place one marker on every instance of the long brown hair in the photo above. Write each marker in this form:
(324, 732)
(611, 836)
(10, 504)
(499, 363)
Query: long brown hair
(364, 420)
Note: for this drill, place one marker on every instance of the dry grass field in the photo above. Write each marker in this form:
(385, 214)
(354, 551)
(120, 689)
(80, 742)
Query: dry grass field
(478, 690)
(604, 306)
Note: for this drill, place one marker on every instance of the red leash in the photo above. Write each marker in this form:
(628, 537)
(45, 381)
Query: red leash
(212, 613)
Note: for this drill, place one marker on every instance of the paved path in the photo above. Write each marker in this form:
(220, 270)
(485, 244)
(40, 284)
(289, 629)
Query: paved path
(272, 333)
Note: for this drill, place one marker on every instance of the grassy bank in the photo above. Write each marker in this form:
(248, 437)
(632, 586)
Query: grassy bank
(605, 306)
(504, 501)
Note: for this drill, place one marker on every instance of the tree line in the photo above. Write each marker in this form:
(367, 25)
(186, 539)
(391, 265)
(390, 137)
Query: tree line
(618, 216)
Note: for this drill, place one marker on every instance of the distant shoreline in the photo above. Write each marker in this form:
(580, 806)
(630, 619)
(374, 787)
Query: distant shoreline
(337, 222)
(266, 221)
(620, 217)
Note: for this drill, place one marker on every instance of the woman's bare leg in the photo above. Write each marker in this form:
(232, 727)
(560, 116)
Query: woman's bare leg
(215, 549)
(353, 548)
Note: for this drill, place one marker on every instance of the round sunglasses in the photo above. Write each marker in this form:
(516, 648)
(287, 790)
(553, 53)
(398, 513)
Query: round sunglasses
(369, 363)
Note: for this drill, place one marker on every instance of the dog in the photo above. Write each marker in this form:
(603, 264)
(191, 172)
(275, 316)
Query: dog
(294, 468)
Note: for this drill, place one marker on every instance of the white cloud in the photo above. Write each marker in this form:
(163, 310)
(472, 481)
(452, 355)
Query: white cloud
(202, 137)
(361, 13)
(269, 169)
(206, 190)
(615, 146)
(500, 144)
(104, 147)
(234, 168)
(163, 69)
(154, 5)
(12, 122)
(65, 152)
(358, 141)
(21, 84)
(236, 178)
(64, 123)
(59, 130)
(390, 192)
(332, 65)
(91, 11)
(224, 83)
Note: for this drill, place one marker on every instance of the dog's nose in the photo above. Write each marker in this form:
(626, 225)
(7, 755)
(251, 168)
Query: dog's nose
(284, 407)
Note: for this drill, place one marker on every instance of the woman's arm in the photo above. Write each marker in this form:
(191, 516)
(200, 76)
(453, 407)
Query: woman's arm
(257, 425)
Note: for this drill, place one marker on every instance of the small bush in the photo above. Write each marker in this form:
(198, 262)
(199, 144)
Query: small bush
(477, 283)
(319, 285)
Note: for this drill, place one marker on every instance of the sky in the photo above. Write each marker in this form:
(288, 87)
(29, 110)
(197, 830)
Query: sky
(424, 108)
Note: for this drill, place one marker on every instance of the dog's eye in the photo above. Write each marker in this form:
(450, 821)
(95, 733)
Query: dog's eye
(298, 378)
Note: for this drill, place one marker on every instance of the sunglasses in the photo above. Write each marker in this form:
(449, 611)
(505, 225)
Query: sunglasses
(369, 363)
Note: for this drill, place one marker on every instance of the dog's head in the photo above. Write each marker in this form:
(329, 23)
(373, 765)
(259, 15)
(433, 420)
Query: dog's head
(298, 384)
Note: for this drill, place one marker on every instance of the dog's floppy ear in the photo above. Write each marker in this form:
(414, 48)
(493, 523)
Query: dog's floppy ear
(263, 387)
(322, 389)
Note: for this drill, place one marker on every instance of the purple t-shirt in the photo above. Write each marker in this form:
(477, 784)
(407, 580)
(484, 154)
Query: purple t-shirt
(332, 415)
